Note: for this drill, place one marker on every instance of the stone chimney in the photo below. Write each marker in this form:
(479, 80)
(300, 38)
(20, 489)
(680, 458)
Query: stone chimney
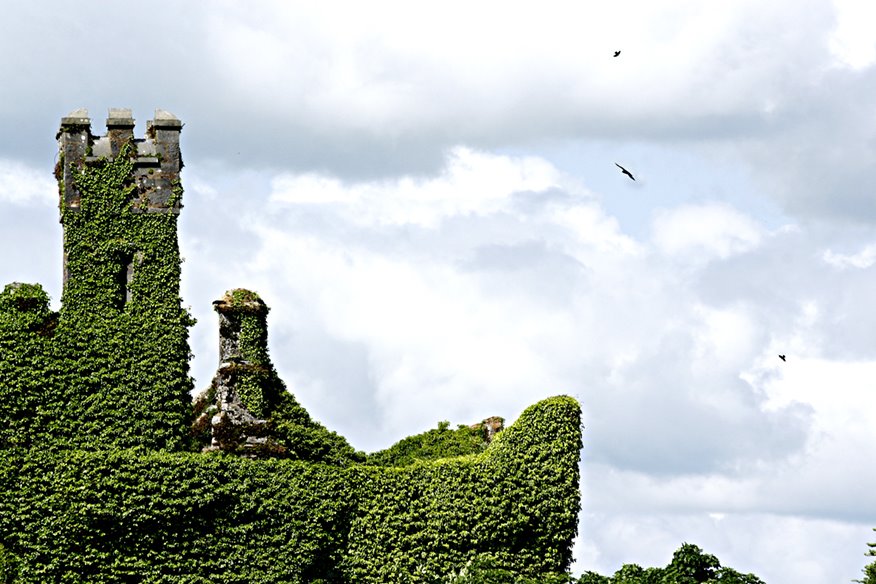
(235, 405)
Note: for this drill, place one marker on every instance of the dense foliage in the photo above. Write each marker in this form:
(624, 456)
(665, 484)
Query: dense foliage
(112, 368)
(79, 516)
(689, 565)
(26, 328)
(441, 442)
(247, 372)
(870, 569)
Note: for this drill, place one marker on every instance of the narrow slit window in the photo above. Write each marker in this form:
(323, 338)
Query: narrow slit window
(125, 278)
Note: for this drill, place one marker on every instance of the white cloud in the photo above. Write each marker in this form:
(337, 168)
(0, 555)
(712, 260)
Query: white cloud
(428, 313)
(835, 389)
(594, 230)
(491, 284)
(853, 40)
(814, 551)
(863, 259)
(705, 231)
(22, 185)
(499, 70)
(724, 338)
(471, 182)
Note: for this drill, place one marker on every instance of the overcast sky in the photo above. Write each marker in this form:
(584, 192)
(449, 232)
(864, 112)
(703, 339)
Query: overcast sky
(427, 198)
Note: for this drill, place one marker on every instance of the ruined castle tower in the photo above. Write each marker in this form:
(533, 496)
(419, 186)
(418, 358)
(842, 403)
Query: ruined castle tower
(150, 184)
(123, 335)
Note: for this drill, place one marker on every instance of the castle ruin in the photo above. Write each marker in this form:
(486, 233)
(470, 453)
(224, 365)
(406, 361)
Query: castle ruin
(110, 472)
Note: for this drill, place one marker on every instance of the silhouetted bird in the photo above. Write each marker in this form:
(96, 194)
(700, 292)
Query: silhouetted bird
(616, 53)
(625, 171)
(782, 357)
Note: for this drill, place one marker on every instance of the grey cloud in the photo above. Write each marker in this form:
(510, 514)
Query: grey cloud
(773, 280)
(340, 392)
(187, 71)
(530, 268)
(664, 422)
(821, 166)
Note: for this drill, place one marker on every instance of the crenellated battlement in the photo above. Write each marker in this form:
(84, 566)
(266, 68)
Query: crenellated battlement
(156, 157)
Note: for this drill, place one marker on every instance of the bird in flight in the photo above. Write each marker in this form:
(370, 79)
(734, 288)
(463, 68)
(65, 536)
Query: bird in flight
(616, 53)
(625, 171)
(782, 357)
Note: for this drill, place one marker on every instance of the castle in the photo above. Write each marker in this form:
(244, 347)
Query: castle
(110, 473)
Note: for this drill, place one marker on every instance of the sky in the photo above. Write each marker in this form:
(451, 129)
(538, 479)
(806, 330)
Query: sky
(426, 196)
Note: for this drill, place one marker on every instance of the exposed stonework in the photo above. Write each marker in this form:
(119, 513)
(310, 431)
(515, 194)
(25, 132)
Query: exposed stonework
(242, 363)
(491, 426)
(156, 167)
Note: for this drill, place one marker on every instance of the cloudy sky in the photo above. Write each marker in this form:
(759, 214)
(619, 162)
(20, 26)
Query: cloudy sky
(427, 198)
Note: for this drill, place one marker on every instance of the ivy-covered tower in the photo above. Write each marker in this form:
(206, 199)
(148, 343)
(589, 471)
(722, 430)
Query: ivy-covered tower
(144, 180)
(122, 335)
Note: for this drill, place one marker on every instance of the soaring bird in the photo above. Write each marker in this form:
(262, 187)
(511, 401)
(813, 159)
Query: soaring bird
(625, 171)
(782, 357)
(616, 53)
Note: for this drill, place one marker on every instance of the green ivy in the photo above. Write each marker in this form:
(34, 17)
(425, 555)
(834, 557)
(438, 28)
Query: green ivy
(26, 329)
(8, 567)
(431, 445)
(253, 377)
(123, 374)
(129, 515)
(870, 569)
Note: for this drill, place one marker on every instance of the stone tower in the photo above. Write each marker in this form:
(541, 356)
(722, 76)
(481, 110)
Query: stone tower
(152, 186)
(122, 333)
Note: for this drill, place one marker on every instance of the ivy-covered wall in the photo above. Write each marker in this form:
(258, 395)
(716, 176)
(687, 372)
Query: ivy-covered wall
(133, 516)
(106, 468)
(441, 442)
(27, 327)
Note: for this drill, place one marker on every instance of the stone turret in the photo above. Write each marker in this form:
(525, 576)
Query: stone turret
(234, 406)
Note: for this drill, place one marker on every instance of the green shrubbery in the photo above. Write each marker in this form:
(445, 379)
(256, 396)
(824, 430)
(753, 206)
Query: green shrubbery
(101, 480)
(870, 570)
(129, 515)
(247, 373)
(432, 445)
(689, 565)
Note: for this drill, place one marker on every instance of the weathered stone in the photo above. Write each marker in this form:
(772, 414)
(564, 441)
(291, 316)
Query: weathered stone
(491, 426)
(156, 167)
(78, 117)
(119, 117)
(233, 428)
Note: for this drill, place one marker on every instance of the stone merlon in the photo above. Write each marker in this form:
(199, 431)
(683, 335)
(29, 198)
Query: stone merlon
(156, 157)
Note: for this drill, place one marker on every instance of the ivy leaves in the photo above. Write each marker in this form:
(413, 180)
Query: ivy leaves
(118, 514)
